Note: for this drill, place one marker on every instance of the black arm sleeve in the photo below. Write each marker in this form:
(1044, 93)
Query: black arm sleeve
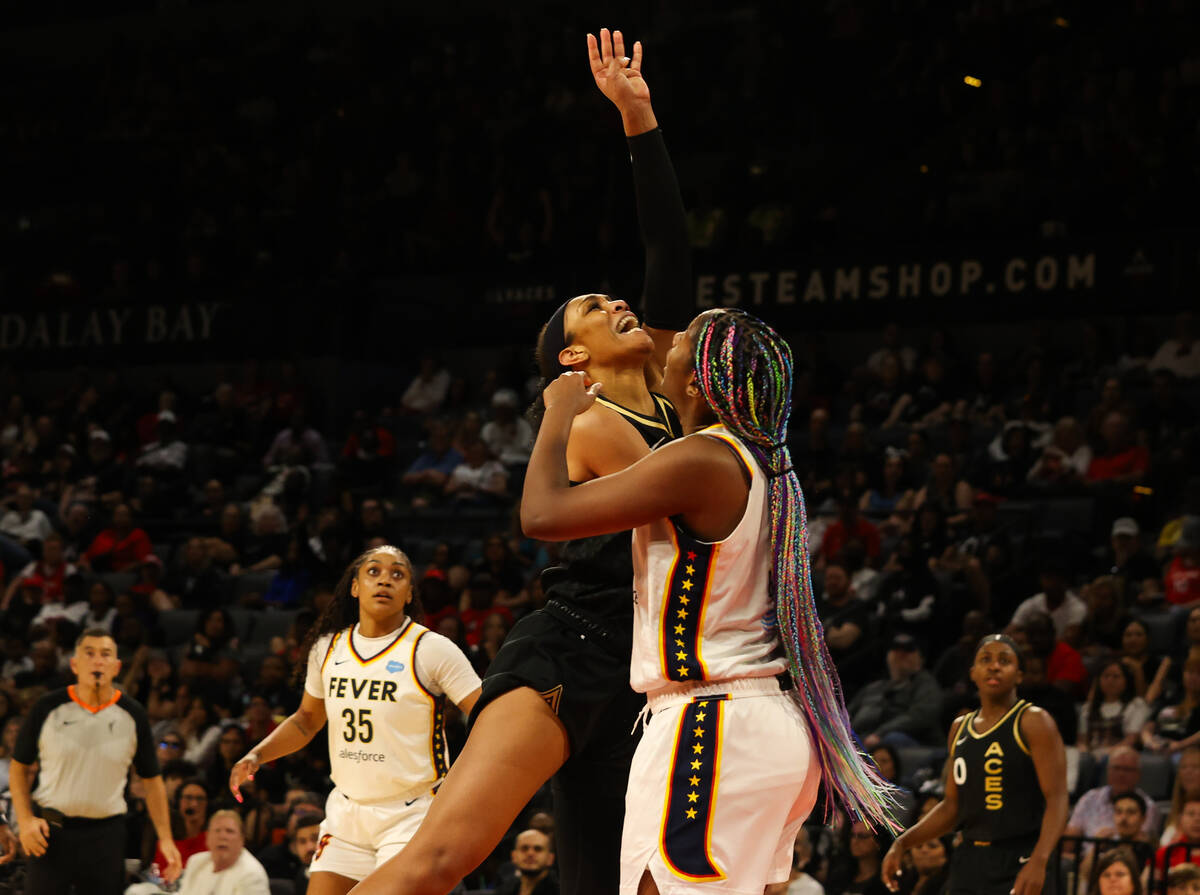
(145, 757)
(26, 748)
(667, 295)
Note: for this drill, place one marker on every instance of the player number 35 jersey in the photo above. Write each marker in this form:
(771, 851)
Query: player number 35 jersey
(385, 704)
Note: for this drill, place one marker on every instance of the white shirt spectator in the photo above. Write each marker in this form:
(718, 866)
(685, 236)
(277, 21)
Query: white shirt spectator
(1133, 715)
(73, 613)
(168, 456)
(1182, 360)
(245, 877)
(478, 478)
(31, 526)
(426, 393)
(512, 442)
(1071, 612)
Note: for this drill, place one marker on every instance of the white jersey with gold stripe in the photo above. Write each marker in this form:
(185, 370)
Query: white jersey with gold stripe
(703, 610)
(385, 704)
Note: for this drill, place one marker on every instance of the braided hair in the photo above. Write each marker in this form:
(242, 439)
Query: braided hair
(341, 612)
(744, 373)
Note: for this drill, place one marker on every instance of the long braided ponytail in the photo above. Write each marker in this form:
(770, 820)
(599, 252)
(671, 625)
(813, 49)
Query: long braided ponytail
(744, 372)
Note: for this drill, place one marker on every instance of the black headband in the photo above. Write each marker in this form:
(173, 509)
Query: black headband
(553, 342)
(1005, 639)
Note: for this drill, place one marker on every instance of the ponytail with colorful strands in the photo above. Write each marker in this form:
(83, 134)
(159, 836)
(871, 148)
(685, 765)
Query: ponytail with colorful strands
(744, 372)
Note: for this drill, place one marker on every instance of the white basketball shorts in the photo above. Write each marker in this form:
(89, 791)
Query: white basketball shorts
(356, 838)
(721, 782)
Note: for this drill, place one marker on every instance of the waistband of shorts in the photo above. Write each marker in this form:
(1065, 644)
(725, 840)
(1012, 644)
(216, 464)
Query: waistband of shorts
(736, 688)
(405, 795)
(1014, 843)
(586, 624)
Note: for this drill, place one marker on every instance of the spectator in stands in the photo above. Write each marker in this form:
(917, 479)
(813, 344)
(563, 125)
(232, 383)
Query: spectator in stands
(907, 593)
(1181, 582)
(272, 685)
(904, 709)
(889, 496)
(101, 607)
(1189, 831)
(299, 444)
(1175, 727)
(103, 477)
(1185, 788)
(1094, 811)
(1167, 419)
(368, 454)
(816, 456)
(46, 672)
(222, 426)
(1114, 714)
(507, 435)
(1183, 879)
(193, 583)
(120, 547)
(227, 546)
(1064, 462)
(533, 858)
(1010, 456)
(800, 881)
(1125, 558)
(886, 399)
(167, 456)
(1180, 354)
(477, 602)
(887, 762)
(1106, 616)
(428, 474)
(499, 562)
(1057, 600)
(290, 860)
(1064, 667)
(1135, 653)
(45, 576)
(268, 541)
(857, 873)
(892, 348)
(24, 522)
(849, 524)
(198, 728)
(231, 746)
(479, 480)
(211, 656)
(189, 821)
(76, 531)
(1112, 400)
(427, 391)
(1118, 872)
(1122, 462)
(493, 631)
(227, 854)
(847, 625)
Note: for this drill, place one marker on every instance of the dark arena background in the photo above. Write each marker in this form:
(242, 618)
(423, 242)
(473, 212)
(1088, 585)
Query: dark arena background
(264, 265)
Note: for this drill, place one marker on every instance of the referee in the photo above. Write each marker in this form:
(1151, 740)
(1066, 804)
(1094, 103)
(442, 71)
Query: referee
(83, 740)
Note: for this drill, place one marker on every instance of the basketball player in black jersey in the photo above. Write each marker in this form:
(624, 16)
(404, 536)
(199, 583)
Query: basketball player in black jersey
(1006, 792)
(556, 701)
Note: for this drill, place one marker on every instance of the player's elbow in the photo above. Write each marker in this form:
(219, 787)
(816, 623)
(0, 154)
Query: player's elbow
(538, 521)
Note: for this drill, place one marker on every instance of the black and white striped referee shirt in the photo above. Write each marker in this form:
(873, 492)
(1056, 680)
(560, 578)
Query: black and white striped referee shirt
(84, 752)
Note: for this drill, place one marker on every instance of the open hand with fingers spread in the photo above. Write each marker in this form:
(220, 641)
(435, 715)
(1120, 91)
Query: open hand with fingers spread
(618, 76)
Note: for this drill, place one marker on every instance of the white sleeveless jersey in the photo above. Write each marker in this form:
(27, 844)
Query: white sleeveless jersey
(387, 724)
(703, 611)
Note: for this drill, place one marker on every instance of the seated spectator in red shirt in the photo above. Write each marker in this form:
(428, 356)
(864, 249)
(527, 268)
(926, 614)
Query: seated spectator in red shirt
(849, 524)
(1064, 667)
(1189, 831)
(44, 575)
(120, 547)
(1122, 462)
(1181, 583)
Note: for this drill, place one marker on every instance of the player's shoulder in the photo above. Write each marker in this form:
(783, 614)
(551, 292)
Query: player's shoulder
(323, 644)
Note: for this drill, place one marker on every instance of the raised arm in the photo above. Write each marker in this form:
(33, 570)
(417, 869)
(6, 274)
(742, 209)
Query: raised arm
(667, 292)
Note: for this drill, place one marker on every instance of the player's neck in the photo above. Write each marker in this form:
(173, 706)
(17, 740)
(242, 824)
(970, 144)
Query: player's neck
(624, 386)
(379, 627)
(993, 709)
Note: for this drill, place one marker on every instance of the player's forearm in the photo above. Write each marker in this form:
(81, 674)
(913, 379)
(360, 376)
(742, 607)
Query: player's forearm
(667, 300)
(638, 119)
(19, 778)
(156, 805)
(546, 479)
(933, 825)
(291, 736)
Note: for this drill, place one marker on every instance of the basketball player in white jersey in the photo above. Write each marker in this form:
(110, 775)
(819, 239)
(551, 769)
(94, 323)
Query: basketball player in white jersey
(381, 680)
(730, 762)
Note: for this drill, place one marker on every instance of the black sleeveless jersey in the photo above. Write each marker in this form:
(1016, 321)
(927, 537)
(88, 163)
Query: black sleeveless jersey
(595, 575)
(999, 796)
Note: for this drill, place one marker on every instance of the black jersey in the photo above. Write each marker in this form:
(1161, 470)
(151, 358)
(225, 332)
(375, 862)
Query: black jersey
(595, 575)
(999, 796)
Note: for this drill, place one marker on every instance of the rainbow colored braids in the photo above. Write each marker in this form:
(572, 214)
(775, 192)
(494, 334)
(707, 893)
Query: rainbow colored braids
(744, 372)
